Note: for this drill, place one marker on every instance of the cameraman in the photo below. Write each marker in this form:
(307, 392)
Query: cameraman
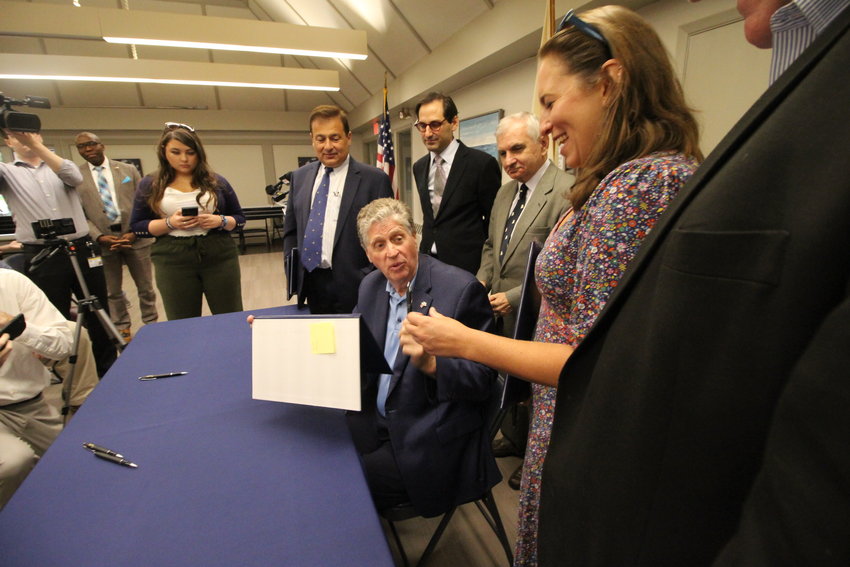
(38, 185)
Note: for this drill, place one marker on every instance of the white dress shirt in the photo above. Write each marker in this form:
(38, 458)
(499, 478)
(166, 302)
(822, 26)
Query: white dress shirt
(22, 375)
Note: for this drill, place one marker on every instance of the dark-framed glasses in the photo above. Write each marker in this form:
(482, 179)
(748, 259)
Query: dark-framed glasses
(176, 125)
(570, 19)
(434, 126)
(89, 144)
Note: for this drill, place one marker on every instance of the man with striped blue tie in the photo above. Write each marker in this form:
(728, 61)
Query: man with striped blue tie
(106, 194)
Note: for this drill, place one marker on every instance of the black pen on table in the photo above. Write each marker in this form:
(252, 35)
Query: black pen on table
(158, 376)
(98, 449)
(114, 459)
(109, 455)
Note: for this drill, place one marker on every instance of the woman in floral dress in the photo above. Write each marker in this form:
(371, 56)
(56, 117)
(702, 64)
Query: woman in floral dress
(612, 104)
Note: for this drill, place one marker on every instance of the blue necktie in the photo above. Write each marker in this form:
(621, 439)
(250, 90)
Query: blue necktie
(103, 188)
(311, 255)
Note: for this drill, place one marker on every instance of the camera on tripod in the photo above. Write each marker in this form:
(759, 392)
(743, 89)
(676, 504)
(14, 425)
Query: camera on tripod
(280, 190)
(21, 121)
(49, 229)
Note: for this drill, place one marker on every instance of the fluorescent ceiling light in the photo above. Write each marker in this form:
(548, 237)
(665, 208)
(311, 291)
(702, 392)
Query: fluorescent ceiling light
(231, 47)
(112, 69)
(208, 32)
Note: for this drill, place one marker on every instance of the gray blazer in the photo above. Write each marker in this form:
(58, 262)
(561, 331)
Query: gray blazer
(126, 179)
(548, 203)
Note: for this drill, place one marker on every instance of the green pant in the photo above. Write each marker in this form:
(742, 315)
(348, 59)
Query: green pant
(195, 266)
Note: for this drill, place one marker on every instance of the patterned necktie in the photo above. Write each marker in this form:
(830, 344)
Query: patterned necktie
(515, 213)
(439, 184)
(311, 256)
(103, 188)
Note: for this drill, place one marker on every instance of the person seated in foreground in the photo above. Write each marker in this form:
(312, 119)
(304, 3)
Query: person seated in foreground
(422, 432)
(28, 424)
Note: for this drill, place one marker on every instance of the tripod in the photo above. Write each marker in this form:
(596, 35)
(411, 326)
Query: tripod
(88, 303)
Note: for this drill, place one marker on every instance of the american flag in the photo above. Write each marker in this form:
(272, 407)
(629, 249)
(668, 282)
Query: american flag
(386, 153)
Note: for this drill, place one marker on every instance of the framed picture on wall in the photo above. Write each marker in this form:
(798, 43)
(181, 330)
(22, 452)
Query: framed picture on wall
(133, 161)
(479, 132)
(304, 160)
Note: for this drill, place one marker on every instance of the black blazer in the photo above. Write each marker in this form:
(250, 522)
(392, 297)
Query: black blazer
(363, 184)
(437, 426)
(707, 412)
(461, 224)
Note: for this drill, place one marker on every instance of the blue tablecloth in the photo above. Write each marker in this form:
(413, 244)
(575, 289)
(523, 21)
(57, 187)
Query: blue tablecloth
(222, 479)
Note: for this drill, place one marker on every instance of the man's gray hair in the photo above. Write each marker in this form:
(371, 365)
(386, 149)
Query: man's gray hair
(94, 137)
(531, 123)
(380, 210)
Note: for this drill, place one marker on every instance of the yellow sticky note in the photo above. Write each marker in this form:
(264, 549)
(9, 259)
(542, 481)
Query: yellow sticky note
(322, 340)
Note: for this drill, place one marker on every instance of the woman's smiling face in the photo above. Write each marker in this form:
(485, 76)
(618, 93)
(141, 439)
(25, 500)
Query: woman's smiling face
(572, 111)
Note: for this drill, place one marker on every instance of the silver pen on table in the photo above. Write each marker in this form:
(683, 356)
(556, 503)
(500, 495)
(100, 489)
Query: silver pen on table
(158, 376)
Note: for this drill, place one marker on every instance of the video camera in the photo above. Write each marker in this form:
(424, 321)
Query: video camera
(21, 121)
(280, 190)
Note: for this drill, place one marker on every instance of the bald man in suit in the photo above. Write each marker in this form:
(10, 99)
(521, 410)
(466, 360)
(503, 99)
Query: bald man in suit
(545, 200)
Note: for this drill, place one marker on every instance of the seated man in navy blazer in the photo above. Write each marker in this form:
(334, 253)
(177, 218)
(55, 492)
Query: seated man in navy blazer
(422, 432)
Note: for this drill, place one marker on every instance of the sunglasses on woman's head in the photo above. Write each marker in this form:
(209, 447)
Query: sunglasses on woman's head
(176, 125)
(570, 19)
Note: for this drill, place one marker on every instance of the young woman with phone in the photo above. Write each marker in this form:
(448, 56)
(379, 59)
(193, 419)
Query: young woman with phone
(190, 211)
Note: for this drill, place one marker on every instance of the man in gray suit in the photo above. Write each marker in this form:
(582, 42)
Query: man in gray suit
(532, 202)
(525, 210)
(107, 194)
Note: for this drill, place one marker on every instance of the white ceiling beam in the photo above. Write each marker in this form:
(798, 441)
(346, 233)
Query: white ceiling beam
(141, 27)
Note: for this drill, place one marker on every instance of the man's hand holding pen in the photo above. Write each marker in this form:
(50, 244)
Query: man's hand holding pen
(435, 333)
(425, 362)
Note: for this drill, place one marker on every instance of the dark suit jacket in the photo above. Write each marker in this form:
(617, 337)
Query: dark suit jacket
(548, 203)
(125, 178)
(708, 408)
(437, 426)
(363, 184)
(461, 224)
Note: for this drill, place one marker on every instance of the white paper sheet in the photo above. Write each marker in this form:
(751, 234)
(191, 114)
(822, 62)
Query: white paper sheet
(287, 366)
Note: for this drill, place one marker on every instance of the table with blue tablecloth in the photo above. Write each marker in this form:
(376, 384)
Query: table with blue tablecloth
(222, 479)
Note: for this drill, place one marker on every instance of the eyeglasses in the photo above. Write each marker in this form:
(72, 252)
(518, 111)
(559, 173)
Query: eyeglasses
(570, 19)
(176, 125)
(89, 144)
(434, 126)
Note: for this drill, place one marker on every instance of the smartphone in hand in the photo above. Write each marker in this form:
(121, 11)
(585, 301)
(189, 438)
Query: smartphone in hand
(15, 327)
(189, 211)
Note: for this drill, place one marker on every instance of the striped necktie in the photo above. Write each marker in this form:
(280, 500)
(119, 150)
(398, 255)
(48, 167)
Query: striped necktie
(511, 223)
(103, 188)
